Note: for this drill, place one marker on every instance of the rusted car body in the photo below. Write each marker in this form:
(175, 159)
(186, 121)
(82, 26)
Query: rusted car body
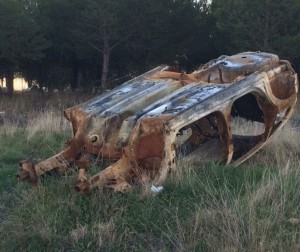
(137, 125)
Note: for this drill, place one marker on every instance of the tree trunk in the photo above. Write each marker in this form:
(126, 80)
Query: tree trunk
(30, 83)
(106, 55)
(9, 76)
(74, 82)
(266, 30)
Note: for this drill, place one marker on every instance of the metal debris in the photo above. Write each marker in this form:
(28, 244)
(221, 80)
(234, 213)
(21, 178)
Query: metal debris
(137, 125)
(156, 189)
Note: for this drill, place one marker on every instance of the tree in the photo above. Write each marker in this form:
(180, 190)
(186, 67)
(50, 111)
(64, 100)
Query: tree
(268, 25)
(20, 39)
(171, 32)
(58, 19)
(67, 42)
(105, 26)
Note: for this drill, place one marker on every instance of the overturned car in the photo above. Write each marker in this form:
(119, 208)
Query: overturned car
(137, 125)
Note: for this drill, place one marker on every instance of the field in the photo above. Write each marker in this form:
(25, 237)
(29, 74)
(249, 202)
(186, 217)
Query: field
(203, 207)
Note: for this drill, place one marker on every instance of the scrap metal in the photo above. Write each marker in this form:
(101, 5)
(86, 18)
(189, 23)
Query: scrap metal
(137, 125)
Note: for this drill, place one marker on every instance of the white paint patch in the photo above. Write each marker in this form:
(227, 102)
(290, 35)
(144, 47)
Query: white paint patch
(125, 90)
(171, 108)
(234, 62)
(203, 94)
(159, 110)
(156, 189)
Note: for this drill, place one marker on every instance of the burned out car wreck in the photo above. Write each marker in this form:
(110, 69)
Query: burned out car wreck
(137, 125)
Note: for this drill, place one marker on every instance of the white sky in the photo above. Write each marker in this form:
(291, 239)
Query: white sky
(19, 84)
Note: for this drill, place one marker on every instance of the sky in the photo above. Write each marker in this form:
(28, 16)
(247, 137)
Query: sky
(19, 84)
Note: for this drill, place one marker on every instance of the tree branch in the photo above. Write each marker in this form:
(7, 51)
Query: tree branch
(96, 48)
(121, 41)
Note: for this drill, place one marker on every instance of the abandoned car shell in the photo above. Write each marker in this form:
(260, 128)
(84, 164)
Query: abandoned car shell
(137, 125)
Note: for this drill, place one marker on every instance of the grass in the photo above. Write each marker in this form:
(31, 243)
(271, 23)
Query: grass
(254, 207)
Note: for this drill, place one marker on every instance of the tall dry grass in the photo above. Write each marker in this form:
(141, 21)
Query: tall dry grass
(46, 123)
(24, 106)
(262, 215)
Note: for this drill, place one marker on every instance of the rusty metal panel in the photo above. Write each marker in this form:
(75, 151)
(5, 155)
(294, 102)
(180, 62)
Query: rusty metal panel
(139, 124)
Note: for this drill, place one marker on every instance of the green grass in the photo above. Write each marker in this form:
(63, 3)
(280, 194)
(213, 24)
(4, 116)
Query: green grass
(207, 207)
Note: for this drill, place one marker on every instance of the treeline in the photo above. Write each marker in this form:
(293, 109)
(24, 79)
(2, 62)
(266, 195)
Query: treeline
(100, 43)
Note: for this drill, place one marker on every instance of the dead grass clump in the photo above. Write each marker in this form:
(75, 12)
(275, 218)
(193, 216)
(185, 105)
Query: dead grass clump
(244, 127)
(78, 233)
(106, 233)
(283, 149)
(47, 123)
(22, 107)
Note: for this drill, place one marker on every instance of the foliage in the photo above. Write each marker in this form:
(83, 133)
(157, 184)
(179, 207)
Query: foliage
(271, 26)
(21, 39)
(20, 35)
(60, 43)
(107, 39)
